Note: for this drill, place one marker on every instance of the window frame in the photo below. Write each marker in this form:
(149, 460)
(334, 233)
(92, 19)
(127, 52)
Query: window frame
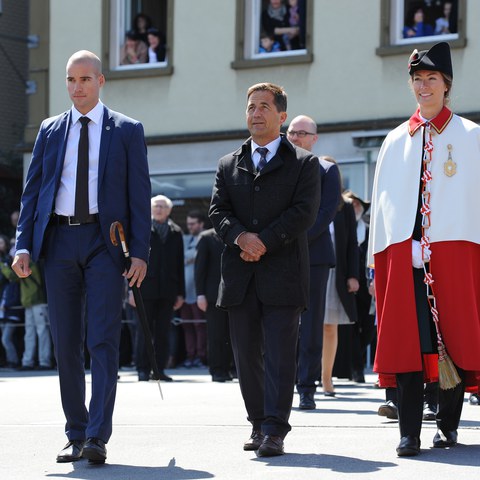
(111, 7)
(269, 59)
(387, 47)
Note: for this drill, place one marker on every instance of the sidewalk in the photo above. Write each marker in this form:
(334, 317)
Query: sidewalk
(198, 431)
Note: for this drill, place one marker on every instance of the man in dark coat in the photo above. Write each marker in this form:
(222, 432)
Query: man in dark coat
(207, 279)
(265, 198)
(163, 289)
(302, 132)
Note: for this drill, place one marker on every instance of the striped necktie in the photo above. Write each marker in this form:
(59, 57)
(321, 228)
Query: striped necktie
(263, 157)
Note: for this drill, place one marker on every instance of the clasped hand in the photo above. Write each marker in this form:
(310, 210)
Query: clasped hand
(252, 247)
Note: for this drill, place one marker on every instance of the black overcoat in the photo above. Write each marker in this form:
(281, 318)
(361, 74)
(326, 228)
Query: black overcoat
(280, 204)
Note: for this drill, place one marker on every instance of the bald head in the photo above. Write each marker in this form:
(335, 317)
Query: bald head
(84, 56)
(302, 132)
(84, 80)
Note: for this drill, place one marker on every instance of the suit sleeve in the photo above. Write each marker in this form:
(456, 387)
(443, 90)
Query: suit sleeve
(226, 224)
(301, 214)
(28, 204)
(330, 199)
(139, 193)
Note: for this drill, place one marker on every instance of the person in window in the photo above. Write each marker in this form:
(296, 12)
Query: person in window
(268, 44)
(275, 22)
(415, 25)
(133, 51)
(156, 46)
(442, 24)
(140, 26)
(425, 270)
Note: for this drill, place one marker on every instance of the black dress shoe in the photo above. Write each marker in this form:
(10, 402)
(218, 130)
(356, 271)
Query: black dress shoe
(164, 378)
(445, 439)
(271, 446)
(255, 440)
(358, 376)
(389, 410)
(95, 451)
(307, 402)
(143, 376)
(474, 399)
(409, 446)
(71, 452)
(429, 412)
(221, 377)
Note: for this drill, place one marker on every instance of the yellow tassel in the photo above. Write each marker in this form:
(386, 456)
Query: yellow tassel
(448, 377)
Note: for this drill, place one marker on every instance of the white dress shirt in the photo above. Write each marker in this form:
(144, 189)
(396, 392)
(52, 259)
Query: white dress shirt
(272, 150)
(65, 200)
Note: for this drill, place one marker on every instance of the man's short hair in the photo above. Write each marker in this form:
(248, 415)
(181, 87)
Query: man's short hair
(197, 215)
(279, 94)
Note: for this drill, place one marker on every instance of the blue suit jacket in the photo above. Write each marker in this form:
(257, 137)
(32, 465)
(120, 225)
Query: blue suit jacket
(123, 184)
(320, 246)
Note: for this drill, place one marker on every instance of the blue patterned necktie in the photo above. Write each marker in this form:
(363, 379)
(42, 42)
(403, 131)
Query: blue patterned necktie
(263, 157)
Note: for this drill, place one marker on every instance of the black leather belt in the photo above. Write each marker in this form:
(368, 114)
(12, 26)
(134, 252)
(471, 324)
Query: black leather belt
(72, 221)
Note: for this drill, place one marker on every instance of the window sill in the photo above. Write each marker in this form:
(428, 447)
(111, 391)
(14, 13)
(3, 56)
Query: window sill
(138, 72)
(272, 62)
(386, 50)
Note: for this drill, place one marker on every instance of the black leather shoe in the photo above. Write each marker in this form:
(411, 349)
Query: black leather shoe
(255, 440)
(358, 376)
(307, 402)
(445, 439)
(474, 399)
(71, 452)
(271, 446)
(409, 446)
(94, 451)
(429, 412)
(164, 377)
(221, 377)
(143, 376)
(389, 410)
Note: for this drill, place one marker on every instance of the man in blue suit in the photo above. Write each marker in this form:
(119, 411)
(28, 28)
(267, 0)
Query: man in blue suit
(66, 220)
(302, 132)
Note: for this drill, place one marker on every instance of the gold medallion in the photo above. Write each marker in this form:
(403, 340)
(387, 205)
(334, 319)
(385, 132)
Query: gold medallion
(450, 167)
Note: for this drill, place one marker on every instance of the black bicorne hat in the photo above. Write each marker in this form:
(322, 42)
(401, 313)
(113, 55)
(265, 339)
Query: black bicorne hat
(437, 59)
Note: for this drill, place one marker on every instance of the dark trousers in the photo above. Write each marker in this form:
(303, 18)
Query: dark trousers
(195, 332)
(84, 286)
(219, 346)
(410, 404)
(310, 342)
(264, 341)
(159, 315)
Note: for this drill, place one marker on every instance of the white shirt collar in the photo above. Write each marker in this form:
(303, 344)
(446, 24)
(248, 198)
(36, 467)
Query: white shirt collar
(272, 147)
(95, 114)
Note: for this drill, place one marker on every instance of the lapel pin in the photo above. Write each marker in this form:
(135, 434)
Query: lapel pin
(107, 127)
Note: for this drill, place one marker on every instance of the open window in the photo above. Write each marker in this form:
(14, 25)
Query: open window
(412, 22)
(273, 32)
(138, 37)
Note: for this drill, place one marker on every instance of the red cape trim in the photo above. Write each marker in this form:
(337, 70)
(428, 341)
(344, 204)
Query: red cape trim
(438, 123)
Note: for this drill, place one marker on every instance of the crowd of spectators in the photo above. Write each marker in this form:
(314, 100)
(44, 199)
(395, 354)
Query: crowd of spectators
(144, 43)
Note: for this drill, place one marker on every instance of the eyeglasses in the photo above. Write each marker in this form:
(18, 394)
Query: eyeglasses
(299, 133)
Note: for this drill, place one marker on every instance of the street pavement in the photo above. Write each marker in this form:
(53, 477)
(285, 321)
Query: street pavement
(198, 430)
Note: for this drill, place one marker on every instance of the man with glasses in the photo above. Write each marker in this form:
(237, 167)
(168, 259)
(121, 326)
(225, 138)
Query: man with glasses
(302, 132)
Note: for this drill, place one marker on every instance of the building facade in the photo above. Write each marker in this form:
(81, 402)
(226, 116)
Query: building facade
(344, 64)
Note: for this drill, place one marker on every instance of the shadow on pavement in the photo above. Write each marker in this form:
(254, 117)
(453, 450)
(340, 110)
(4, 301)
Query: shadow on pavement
(335, 463)
(82, 470)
